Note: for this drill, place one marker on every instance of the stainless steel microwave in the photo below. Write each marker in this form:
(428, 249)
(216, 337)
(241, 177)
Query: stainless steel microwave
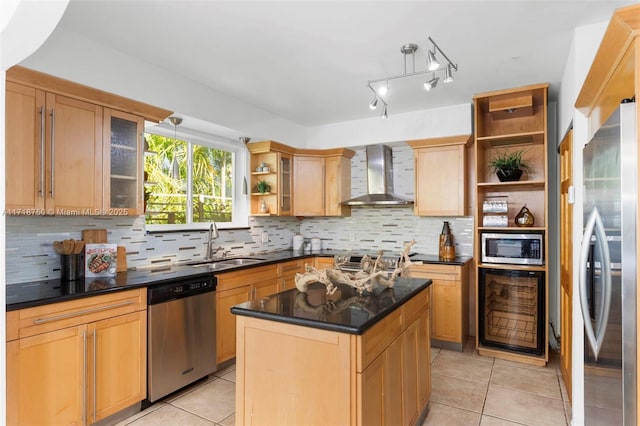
(513, 248)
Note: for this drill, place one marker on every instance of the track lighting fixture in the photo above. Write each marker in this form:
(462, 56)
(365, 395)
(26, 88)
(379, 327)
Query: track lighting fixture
(430, 84)
(432, 62)
(374, 103)
(448, 77)
(434, 65)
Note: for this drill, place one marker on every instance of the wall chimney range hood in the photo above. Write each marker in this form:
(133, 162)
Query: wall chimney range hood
(379, 181)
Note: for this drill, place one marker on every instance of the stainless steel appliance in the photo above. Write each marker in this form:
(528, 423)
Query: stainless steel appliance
(513, 248)
(511, 310)
(608, 274)
(181, 334)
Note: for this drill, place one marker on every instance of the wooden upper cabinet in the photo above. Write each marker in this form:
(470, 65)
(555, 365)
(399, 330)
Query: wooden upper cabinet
(302, 182)
(59, 137)
(322, 180)
(122, 162)
(73, 165)
(53, 144)
(441, 176)
(25, 148)
(278, 175)
(309, 187)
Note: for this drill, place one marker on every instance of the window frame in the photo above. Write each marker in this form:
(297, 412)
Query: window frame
(239, 159)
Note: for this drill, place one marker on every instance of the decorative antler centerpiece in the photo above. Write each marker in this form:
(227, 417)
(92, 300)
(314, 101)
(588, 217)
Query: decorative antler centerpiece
(372, 273)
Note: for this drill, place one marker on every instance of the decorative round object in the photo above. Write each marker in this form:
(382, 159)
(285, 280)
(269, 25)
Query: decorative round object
(263, 207)
(524, 217)
(509, 175)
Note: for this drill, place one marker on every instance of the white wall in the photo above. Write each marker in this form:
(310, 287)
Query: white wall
(74, 57)
(447, 121)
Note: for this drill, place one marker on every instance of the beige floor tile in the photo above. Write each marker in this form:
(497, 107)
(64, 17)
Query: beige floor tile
(568, 413)
(170, 415)
(524, 407)
(549, 368)
(214, 400)
(444, 415)
(131, 419)
(458, 393)
(434, 353)
(230, 376)
(539, 382)
(470, 352)
(494, 421)
(453, 364)
(228, 421)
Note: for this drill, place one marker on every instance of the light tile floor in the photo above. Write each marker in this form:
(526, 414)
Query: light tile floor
(467, 389)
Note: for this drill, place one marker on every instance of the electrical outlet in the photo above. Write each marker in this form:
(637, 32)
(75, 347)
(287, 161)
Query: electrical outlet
(265, 237)
(352, 236)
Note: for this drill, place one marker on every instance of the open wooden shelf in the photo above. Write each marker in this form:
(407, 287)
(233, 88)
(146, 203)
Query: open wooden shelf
(504, 186)
(513, 139)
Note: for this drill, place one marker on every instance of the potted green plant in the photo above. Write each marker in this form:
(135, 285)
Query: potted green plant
(263, 187)
(508, 166)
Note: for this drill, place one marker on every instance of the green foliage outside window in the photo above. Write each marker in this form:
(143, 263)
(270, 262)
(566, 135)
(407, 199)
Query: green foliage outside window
(167, 191)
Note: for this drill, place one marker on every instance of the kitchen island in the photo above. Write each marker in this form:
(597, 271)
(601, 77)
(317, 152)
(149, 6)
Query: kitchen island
(313, 358)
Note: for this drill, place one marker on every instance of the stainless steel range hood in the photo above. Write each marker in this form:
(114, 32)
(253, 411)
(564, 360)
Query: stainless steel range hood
(379, 180)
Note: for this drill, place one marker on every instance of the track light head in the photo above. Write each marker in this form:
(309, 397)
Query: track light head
(448, 77)
(430, 84)
(384, 112)
(432, 62)
(374, 103)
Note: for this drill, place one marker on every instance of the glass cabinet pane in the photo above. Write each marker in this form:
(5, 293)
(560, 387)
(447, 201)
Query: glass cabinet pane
(285, 191)
(124, 163)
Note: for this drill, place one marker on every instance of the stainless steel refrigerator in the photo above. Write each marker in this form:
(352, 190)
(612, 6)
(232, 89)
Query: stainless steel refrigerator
(607, 280)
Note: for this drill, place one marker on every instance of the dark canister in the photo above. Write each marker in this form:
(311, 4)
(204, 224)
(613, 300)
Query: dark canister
(445, 231)
(71, 267)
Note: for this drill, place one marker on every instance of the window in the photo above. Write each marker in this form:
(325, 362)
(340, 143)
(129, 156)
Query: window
(190, 183)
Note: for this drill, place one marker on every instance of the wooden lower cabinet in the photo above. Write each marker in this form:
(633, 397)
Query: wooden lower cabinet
(232, 289)
(117, 364)
(287, 273)
(79, 373)
(290, 375)
(450, 305)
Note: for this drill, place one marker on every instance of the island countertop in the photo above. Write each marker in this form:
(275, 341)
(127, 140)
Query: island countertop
(344, 311)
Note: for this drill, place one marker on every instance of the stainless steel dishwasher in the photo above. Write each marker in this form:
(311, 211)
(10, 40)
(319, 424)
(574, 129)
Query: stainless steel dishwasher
(181, 334)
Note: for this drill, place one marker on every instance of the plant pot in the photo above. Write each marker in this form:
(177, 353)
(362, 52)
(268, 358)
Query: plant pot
(509, 175)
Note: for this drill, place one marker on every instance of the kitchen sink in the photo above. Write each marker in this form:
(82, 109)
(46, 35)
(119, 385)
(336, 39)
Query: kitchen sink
(222, 263)
(240, 260)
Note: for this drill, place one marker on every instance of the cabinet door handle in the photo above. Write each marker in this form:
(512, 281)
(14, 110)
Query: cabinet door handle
(79, 313)
(42, 130)
(95, 347)
(53, 151)
(84, 378)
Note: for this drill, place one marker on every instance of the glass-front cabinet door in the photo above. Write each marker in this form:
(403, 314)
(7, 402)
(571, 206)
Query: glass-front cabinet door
(285, 185)
(122, 152)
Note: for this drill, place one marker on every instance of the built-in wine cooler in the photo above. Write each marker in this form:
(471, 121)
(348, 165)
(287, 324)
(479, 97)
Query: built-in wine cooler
(512, 310)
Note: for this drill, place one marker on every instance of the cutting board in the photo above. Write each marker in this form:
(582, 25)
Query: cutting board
(121, 265)
(94, 236)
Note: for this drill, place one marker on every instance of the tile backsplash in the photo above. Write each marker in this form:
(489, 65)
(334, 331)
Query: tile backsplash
(30, 255)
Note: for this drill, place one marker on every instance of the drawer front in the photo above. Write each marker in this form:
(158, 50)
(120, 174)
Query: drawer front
(235, 279)
(440, 272)
(288, 268)
(42, 319)
(415, 307)
(375, 340)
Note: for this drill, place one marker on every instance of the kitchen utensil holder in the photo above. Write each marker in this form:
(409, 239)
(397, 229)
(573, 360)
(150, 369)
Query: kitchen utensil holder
(71, 267)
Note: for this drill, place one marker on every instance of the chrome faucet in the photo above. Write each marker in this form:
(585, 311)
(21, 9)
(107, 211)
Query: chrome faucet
(213, 234)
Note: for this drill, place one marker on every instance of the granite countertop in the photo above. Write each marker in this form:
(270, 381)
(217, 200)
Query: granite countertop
(344, 311)
(37, 293)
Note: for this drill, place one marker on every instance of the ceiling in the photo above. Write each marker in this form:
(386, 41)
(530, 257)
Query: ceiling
(309, 61)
